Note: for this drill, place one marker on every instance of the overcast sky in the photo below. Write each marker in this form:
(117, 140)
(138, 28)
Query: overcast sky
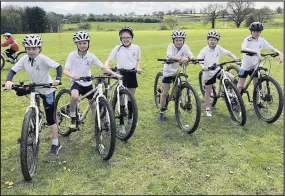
(123, 7)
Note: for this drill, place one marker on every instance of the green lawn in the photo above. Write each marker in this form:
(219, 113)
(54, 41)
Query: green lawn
(219, 158)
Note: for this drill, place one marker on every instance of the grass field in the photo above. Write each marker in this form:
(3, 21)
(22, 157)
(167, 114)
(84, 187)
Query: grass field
(219, 158)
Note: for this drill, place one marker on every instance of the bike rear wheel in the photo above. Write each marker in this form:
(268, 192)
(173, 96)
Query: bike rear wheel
(62, 112)
(157, 89)
(2, 62)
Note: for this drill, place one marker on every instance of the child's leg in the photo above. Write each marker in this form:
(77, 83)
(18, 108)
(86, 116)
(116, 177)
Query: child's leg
(73, 102)
(164, 93)
(258, 91)
(208, 96)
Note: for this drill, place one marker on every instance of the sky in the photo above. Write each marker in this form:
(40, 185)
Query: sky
(139, 8)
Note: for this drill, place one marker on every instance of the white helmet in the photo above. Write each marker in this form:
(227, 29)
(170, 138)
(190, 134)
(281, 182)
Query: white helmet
(178, 33)
(214, 34)
(32, 41)
(7, 34)
(81, 36)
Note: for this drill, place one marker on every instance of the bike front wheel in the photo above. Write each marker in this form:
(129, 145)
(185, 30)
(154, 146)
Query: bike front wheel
(29, 147)
(268, 99)
(2, 62)
(187, 108)
(127, 118)
(234, 103)
(105, 135)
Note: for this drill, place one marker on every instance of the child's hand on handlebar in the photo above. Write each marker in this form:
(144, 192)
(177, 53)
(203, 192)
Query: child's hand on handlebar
(8, 85)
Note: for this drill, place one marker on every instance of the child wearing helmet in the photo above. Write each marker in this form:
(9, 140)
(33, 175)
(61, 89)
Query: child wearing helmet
(78, 64)
(177, 50)
(37, 66)
(254, 43)
(14, 47)
(128, 56)
(211, 55)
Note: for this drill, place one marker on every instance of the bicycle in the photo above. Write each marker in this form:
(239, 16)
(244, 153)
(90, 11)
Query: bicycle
(105, 125)
(122, 95)
(34, 121)
(182, 103)
(263, 94)
(228, 90)
(4, 57)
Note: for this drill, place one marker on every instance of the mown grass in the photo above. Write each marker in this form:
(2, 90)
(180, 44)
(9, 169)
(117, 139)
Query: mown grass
(219, 158)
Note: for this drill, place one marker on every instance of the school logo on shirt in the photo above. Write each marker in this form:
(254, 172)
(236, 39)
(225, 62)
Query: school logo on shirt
(134, 54)
(217, 55)
(88, 63)
(259, 46)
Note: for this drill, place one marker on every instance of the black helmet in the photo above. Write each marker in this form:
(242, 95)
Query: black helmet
(256, 26)
(128, 29)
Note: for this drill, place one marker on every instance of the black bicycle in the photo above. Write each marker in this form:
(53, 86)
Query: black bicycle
(34, 121)
(228, 91)
(103, 115)
(124, 105)
(187, 102)
(268, 98)
(4, 57)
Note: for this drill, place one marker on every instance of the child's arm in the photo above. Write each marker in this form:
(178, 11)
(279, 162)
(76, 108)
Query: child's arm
(17, 67)
(230, 54)
(244, 47)
(138, 64)
(111, 57)
(201, 55)
(67, 68)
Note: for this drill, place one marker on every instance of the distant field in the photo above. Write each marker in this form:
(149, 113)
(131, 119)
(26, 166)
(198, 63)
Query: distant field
(220, 158)
(185, 22)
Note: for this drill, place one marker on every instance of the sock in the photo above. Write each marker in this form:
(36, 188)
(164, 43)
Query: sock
(55, 141)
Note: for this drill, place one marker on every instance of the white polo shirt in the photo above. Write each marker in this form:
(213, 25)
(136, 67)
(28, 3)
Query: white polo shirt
(249, 62)
(211, 56)
(39, 72)
(127, 57)
(81, 66)
(170, 69)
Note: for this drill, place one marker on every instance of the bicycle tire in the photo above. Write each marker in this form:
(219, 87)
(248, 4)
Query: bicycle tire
(109, 154)
(198, 106)
(125, 137)
(58, 96)
(280, 96)
(28, 171)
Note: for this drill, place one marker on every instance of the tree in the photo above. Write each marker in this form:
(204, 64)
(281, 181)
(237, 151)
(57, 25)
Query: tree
(161, 13)
(171, 21)
(213, 11)
(238, 11)
(279, 10)
(36, 19)
(264, 14)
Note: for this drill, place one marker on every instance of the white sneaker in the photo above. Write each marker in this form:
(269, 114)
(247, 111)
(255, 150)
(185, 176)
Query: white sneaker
(208, 112)
(122, 129)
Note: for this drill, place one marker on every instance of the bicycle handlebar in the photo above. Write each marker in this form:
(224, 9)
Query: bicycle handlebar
(31, 85)
(263, 55)
(170, 61)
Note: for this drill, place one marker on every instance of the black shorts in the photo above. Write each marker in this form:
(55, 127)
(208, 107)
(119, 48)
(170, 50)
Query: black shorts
(214, 78)
(130, 79)
(83, 89)
(168, 79)
(48, 102)
(244, 73)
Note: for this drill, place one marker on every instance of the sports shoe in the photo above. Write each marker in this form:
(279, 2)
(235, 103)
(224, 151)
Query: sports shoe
(54, 149)
(72, 124)
(122, 129)
(161, 117)
(208, 113)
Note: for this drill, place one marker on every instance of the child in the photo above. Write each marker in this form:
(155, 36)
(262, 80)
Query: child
(78, 64)
(37, 66)
(128, 56)
(177, 50)
(13, 46)
(211, 55)
(254, 43)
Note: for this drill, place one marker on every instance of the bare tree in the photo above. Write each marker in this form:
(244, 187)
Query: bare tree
(238, 11)
(213, 11)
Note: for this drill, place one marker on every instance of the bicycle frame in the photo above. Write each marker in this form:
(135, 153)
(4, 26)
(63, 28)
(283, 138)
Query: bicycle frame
(98, 93)
(222, 81)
